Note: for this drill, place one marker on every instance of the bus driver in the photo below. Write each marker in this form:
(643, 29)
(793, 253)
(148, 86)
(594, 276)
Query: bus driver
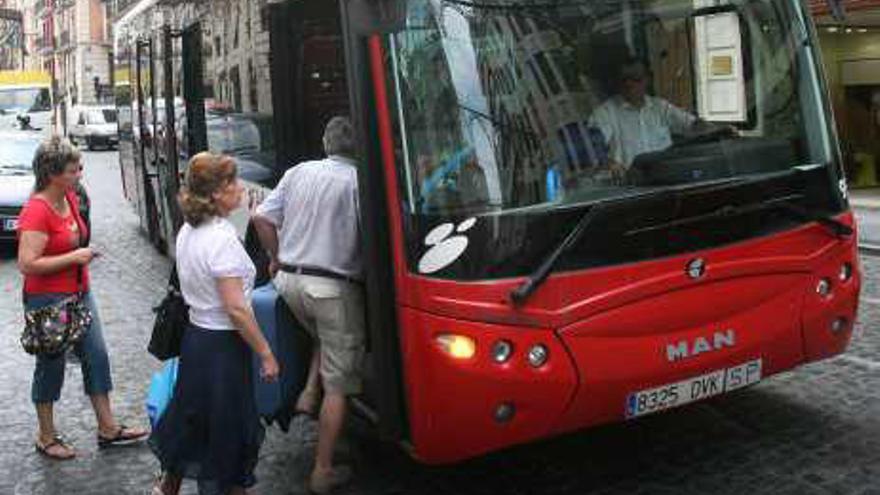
(634, 122)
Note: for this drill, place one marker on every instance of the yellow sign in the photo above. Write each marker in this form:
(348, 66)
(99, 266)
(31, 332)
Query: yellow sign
(722, 65)
(25, 78)
(122, 77)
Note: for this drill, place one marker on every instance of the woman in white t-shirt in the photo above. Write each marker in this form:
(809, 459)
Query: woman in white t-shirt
(211, 430)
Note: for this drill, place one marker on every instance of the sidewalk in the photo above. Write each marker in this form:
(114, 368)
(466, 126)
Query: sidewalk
(866, 205)
(865, 199)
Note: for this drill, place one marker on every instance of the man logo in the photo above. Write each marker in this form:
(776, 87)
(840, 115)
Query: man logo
(701, 345)
(696, 268)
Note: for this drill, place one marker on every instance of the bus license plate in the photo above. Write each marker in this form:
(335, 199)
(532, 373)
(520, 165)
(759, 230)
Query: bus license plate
(693, 389)
(10, 224)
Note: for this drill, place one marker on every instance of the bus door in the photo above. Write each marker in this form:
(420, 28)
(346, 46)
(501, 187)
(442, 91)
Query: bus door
(312, 80)
(156, 122)
(331, 69)
(124, 82)
(169, 108)
(144, 158)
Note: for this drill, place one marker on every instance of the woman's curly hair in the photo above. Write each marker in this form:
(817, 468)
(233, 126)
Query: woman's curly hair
(207, 173)
(51, 158)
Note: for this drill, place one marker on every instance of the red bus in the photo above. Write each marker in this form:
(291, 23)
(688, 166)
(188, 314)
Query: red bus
(544, 253)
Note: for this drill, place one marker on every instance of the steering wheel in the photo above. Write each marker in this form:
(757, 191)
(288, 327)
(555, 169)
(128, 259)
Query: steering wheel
(706, 137)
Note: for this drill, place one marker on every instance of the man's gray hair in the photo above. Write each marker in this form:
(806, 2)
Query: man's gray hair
(339, 137)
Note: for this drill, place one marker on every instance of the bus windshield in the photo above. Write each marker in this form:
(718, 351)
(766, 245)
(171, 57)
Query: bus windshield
(15, 100)
(518, 108)
(509, 105)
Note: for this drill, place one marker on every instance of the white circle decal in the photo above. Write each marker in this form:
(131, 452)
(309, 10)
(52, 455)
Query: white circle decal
(445, 249)
(443, 254)
(466, 225)
(439, 233)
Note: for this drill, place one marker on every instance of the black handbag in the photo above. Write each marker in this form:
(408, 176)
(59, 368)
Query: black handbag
(172, 318)
(51, 330)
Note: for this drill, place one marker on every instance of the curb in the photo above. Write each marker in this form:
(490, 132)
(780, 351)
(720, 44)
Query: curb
(869, 249)
(870, 205)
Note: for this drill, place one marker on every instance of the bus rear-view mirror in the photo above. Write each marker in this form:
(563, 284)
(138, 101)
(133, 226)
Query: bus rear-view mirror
(719, 53)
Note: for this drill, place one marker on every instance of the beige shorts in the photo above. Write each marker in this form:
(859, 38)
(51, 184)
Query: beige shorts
(332, 311)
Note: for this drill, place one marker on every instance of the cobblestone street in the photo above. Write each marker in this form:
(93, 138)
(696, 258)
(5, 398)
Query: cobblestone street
(812, 431)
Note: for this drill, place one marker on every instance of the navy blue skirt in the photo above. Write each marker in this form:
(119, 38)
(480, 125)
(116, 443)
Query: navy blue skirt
(211, 431)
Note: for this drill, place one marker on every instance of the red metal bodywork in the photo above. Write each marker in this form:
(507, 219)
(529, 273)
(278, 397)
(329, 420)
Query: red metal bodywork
(606, 329)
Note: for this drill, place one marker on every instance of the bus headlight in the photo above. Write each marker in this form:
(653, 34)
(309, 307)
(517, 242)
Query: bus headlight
(846, 271)
(457, 346)
(538, 355)
(501, 351)
(823, 288)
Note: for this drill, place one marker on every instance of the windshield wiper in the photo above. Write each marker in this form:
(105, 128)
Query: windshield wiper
(524, 290)
(783, 204)
(838, 228)
(519, 295)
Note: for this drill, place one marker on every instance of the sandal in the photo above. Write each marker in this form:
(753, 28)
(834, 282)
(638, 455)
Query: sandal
(313, 415)
(158, 486)
(123, 437)
(57, 441)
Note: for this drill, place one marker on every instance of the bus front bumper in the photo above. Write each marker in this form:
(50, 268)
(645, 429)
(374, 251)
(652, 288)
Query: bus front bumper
(681, 346)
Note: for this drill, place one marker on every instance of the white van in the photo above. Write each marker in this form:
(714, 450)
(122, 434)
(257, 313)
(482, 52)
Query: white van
(94, 126)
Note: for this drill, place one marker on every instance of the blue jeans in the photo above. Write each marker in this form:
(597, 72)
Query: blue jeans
(91, 351)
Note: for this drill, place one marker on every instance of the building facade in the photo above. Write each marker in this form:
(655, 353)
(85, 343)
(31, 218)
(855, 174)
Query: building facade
(851, 54)
(72, 41)
(11, 35)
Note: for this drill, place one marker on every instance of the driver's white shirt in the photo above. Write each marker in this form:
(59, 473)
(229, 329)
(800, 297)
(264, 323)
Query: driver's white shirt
(631, 131)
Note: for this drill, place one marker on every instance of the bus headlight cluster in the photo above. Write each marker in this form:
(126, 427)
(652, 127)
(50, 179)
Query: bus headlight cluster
(846, 272)
(839, 324)
(823, 288)
(462, 347)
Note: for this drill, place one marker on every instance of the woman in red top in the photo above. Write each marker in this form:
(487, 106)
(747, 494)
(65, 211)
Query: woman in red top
(51, 231)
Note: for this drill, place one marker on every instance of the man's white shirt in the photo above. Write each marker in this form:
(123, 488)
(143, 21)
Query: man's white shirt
(631, 131)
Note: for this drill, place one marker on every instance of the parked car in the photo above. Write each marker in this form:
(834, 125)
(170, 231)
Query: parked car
(231, 133)
(94, 126)
(16, 177)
